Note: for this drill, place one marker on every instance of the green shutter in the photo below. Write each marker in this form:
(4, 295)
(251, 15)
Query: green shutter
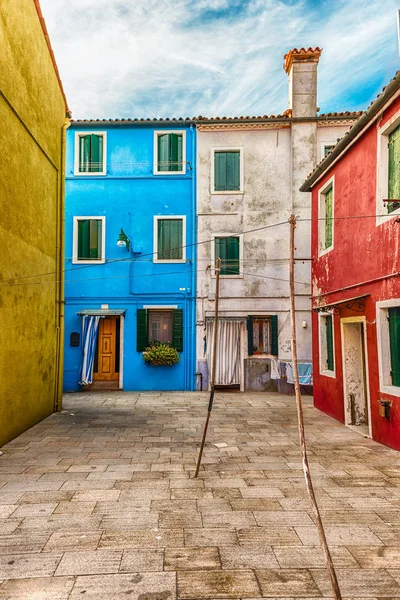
(175, 144)
(274, 335)
(169, 239)
(328, 218)
(84, 153)
(394, 335)
(227, 171)
(227, 249)
(96, 154)
(170, 152)
(250, 347)
(141, 330)
(329, 343)
(394, 169)
(178, 330)
(83, 239)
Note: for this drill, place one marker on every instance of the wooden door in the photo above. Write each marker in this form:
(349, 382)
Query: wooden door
(107, 364)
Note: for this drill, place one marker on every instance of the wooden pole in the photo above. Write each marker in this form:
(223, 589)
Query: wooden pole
(213, 368)
(307, 475)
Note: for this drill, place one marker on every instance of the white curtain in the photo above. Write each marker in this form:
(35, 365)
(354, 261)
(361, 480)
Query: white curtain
(90, 328)
(228, 351)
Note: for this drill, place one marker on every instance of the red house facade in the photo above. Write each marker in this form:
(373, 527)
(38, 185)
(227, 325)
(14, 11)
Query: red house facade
(356, 273)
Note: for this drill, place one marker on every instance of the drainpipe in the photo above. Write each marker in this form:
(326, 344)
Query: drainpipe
(193, 291)
(60, 272)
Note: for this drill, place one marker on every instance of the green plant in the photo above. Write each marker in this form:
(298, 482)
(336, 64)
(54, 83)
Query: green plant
(161, 354)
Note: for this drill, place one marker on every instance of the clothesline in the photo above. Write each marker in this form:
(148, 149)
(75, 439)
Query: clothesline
(283, 369)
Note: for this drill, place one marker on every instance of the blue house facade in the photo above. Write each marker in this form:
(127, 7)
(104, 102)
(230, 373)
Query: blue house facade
(130, 236)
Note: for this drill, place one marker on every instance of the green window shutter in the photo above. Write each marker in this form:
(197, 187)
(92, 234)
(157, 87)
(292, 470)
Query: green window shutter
(170, 152)
(226, 171)
(178, 330)
(329, 343)
(394, 169)
(175, 144)
(328, 218)
(141, 330)
(84, 153)
(250, 346)
(227, 249)
(96, 154)
(221, 252)
(274, 335)
(169, 239)
(83, 239)
(163, 156)
(95, 226)
(394, 335)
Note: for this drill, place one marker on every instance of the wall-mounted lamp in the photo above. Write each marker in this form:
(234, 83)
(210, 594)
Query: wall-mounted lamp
(123, 240)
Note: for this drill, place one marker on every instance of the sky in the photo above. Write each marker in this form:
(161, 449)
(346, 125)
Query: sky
(184, 58)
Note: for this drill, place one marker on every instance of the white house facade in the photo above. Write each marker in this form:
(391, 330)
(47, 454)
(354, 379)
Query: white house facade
(249, 171)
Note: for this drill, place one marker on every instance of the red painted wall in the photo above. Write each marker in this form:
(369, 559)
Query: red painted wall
(362, 251)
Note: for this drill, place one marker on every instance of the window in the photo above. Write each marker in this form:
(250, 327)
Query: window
(161, 325)
(326, 346)
(227, 170)
(328, 148)
(169, 152)
(169, 239)
(228, 250)
(325, 223)
(394, 338)
(394, 170)
(90, 153)
(89, 239)
(262, 334)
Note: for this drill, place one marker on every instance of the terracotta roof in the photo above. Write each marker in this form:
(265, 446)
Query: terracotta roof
(363, 121)
(286, 116)
(296, 55)
(53, 59)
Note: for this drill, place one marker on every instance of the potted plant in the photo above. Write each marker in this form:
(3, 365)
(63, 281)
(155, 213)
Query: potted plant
(161, 354)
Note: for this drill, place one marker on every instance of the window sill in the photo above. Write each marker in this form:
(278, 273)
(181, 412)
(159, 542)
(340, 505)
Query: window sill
(75, 261)
(262, 356)
(180, 261)
(326, 251)
(227, 193)
(169, 172)
(391, 390)
(327, 373)
(228, 276)
(90, 174)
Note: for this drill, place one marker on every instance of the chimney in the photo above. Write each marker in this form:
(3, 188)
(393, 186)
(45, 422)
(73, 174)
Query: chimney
(301, 66)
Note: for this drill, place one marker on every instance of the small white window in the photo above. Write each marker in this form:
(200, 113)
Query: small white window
(325, 217)
(170, 152)
(388, 333)
(227, 170)
(90, 153)
(229, 248)
(388, 170)
(89, 240)
(170, 239)
(326, 344)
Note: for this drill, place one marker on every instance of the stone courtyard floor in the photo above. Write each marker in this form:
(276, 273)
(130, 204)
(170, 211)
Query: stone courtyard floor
(99, 502)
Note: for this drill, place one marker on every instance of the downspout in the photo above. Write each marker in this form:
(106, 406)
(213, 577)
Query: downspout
(60, 283)
(193, 291)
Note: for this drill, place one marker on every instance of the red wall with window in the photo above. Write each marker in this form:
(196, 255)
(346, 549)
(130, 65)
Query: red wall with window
(362, 252)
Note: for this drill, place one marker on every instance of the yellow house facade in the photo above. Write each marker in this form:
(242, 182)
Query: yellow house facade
(33, 120)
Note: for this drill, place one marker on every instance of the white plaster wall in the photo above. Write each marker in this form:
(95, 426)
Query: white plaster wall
(276, 162)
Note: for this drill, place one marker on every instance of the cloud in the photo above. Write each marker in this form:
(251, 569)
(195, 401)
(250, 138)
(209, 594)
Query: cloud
(132, 58)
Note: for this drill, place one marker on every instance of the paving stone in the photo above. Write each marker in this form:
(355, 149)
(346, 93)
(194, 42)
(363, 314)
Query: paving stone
(135, 586)
(89, 562)
(307, 557)
(288, 518)
(261, 492)
(145, 559)
(248, 557)
(271, 536)
(162, 538)
(339, 536)
(35, 510)
(235, 518)
(20, 542)
(7, 509)
(138, 520)
(40, 588)
(287, 582)
(96, 496)
(21, 566)
(216, 584)
(359, 583)
(8, 525)
(123, 507)
(210, 537)
(377, 557)
(75, 508)
(189, 559)
(62, 541)
(177, 519)
(255, 504)
(390, 536)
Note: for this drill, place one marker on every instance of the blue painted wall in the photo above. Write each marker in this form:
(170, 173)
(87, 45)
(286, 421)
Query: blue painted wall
(129, 196)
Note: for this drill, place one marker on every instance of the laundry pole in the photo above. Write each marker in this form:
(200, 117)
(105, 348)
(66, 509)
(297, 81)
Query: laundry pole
(213, 368)
(307, 475)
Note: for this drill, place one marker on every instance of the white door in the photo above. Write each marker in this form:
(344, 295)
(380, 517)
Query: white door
(356, 402)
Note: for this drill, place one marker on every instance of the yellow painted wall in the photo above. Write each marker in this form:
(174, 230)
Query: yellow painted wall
(32, 115)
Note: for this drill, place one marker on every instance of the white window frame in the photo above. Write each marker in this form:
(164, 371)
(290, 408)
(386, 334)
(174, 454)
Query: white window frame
(78, 135)
(212, 181)
(324, 145)
(213, 257)
(75, 259)
(322, 345)
(383, 339)
(382, 169)
(322, 217)
(159, 132)
(155, 239)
